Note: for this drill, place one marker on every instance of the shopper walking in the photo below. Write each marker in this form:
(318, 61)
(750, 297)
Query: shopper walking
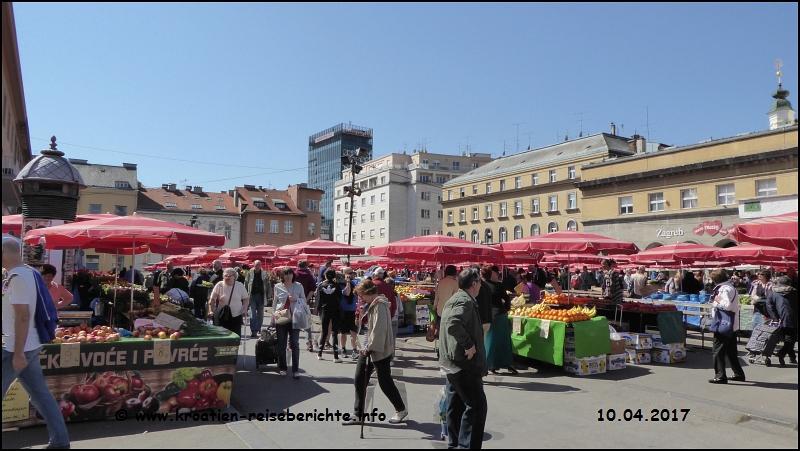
(782, 305)
(639, 283)
(375, 352)
(199, 292)
(306, 279)
(215, 274)
(463, 358)
(257, 283)
(498, 340)
(347, 325)
(22, 343)
(725, 297)
(290, 295)
(233, 294)
(398, 310)
(329, 297)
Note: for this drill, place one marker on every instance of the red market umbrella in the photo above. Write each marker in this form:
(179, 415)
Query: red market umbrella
(748, 252)
(319, 247)
(568, 241)
(13, 223)
(678, 252)
(261, 252)
(777, 231)
(439, 248)
(589, 259)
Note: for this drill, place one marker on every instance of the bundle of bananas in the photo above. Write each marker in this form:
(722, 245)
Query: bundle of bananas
(518, 301)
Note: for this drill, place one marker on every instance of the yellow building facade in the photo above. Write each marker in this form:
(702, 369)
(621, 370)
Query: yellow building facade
(692, 193)
(526, 194)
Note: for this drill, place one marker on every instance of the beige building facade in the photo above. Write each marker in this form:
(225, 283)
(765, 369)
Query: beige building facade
(526, 194)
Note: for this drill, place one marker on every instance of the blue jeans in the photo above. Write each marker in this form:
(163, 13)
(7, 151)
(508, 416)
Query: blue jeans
(32, 381)
(287, 334)
(256, 312)
(466, 410)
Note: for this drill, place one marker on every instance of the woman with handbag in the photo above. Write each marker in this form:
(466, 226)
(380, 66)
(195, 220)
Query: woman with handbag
(290, 315)
(499, 352)
(228, 301)
(725, 322)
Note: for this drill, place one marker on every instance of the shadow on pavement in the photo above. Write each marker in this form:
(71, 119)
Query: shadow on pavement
(267, 390)
(776, 385)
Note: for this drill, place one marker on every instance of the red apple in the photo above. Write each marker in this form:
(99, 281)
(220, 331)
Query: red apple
(67, 408)
(148, 337)
(137, 383)
(136, 333)
(162, 335)
(84, 393)
(115, 390)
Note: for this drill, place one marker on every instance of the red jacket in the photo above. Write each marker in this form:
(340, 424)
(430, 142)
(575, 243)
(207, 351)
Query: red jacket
(304, 277)
(386, 290)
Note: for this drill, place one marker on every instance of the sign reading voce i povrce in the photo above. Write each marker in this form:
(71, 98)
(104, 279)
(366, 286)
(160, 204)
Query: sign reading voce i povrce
(661, 233)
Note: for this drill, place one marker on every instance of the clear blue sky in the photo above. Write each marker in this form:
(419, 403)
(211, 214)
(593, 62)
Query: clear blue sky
(246, 84)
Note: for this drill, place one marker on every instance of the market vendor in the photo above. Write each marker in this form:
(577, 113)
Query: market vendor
(61, 296)
(163, 283)
(612, 282)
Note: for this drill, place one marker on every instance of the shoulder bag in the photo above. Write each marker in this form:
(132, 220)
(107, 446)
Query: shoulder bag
(223, 314)
(722, 321)
(283, 317)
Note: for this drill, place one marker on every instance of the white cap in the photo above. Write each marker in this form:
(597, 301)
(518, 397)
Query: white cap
(379, 272)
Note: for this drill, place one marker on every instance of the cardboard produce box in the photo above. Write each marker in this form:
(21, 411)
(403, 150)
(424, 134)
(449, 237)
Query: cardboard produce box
(618, 346)
(637, 356)
(586, 366)
(639, 341)
(669, 356)
(616, 361)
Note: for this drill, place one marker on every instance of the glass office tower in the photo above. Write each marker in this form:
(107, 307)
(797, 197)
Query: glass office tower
(325, 150)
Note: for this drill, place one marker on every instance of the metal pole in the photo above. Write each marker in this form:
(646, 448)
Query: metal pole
(351, 194)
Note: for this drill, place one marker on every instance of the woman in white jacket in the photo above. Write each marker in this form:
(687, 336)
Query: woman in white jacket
(290, 295)
(378, 343)
(725, 298)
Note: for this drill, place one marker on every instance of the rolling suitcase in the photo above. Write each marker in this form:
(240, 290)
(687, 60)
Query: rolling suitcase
(267, 347)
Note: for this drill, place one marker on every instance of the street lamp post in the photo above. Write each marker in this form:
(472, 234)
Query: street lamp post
(352, 191)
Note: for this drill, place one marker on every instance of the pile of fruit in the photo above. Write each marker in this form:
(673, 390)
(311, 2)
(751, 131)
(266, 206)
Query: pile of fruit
(407, 292)
(149, 332)
(85, 334)
(632, 306)
(104, 394)
(745, 299)
(543, 311)
(195, 389)
(519, 301)
(206, 283)
(565, 299)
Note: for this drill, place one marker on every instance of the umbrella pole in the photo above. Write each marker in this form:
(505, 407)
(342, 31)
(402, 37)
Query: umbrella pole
(114, 303)
(133, 279)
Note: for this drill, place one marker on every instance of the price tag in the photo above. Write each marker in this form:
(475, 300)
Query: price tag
(161, 352)
(169, 321)
(545, 330)
(517, 325)
(70, 355)
(15, 403)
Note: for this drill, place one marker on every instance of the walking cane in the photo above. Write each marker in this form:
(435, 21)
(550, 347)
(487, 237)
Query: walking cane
(244, 350)
(364, 405)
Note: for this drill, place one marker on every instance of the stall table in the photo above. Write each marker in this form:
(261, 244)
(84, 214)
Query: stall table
(145, 365)
(591, 339)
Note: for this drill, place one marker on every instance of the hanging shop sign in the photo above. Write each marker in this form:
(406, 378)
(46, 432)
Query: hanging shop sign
(712, 228)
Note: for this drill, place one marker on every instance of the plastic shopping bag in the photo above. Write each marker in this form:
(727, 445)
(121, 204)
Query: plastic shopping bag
(440, 407)
(299, 317)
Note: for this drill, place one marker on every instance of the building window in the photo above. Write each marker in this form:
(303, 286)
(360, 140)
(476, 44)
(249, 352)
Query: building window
(372, 217)
(502, 185)
(347, 221)
(489, 188)
(372, 199)
(517, 232)
(171, 204)
(363, 202)
(95, 209)
(552, 176)
(725, 194)
(310, 205)
(93, 262)
(450, 217)
(439, 215)
(489, 211)
(383, 180)
(288, 226)
(346, 204)
(228, 232)
(435, 164)
(219, 207)
(363, 218)
(552, 227)
(338, 238)
(535, 205)
(462, 215)
(553, 201)
(354, 236)
(259, 226)
(372, 233)
(689, 198)
(475, 165)
(518, 208)
(571, 172)
(449, 194)
(338, 207)
(121, 210)
(123, 185)
(273, 226)
(656, 202)
(534, 229)
(426, 213)
(463, 192)
(312, 229)
(383, 197)
(626, 205)
(425, 232)
(535, 179)
(197, 206)
(383, 214)
(476, 238)
(424, 178)
(503, 235)
(440, 179)
(456, 166)
(517, 182)
(766, 187)
(212, 226)
(474, 213)
(425, 195)
(338, 223)
(572, 201)
(363, 234)
(572, 225)
(487, 235)
(474, 190)
(502, 209)
(462, 235)
(383, 232)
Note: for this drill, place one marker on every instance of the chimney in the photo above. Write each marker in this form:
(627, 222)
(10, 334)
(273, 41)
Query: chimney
(197, 189)
(165, 186)
(641, 145)
(173, 187)
(230, 192)
(613, 129)
(189, 188)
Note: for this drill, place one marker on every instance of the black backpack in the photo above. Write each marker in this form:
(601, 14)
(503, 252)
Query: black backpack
(540, 278)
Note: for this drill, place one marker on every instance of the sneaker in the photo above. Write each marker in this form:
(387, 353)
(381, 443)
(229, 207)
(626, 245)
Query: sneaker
(319, 356)
(354, 355)
(310, 347)
(282, 373)
(296, 375)
(352, 421)
(337, 360)
(398, 417)
(391, 363)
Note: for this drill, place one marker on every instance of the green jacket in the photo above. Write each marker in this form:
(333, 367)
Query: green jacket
(461, 329)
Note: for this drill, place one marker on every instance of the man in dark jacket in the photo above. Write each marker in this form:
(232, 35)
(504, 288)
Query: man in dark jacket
(484, 299)
(463, 358)
(587, 279)
(782, 304)
(199, 293)
(303, 276)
